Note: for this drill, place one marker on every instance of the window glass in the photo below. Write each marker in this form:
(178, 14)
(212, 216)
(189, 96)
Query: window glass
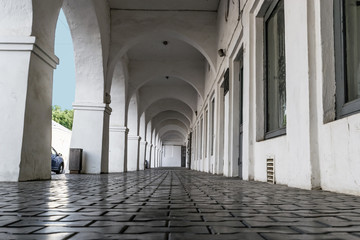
(352, 49)
(275, 69)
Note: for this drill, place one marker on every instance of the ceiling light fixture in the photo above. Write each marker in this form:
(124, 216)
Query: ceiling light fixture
(221, 52)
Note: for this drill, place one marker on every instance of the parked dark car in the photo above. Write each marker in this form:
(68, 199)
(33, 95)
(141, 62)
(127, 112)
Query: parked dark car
(57, 162)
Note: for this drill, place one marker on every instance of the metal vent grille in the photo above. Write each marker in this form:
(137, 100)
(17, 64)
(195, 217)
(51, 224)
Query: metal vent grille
(270, 170)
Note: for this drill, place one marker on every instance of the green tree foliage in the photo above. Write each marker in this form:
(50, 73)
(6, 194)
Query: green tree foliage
(63, 117)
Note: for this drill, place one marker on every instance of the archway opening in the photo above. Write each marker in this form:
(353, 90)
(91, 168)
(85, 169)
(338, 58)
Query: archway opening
(63, 94)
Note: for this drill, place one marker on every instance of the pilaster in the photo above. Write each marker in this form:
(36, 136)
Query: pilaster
(133, 153)
(91, 133)
(142, 155)
(118, 149)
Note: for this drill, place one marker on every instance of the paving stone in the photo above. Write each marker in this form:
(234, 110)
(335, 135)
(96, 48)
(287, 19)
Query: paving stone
(54, 236)
(331, 236)
(97, 236)
(189, 236)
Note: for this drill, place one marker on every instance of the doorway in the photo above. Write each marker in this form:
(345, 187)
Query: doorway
(189, 150)
(183, 156)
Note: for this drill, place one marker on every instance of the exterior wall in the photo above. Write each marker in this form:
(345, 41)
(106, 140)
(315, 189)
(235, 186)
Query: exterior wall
(318, 151)
(338, 139)
(171, 156)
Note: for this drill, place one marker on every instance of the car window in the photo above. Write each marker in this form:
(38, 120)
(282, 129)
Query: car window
(53, 151)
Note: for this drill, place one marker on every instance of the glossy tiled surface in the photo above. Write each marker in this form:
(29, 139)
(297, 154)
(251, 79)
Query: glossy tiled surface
(172, 204)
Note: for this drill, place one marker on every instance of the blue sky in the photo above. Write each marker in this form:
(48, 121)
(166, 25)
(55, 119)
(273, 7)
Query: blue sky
(64, 75)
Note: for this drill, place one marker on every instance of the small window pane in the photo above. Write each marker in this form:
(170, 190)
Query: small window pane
(275, 70)
(352, 49)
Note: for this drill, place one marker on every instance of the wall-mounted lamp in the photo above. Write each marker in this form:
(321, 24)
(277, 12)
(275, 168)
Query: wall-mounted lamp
(221, 52)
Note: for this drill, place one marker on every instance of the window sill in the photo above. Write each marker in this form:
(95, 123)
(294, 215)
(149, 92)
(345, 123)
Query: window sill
(349, 108)
(275, 133)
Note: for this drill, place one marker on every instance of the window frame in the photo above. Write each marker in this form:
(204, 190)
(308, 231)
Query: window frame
(212, 126)
(343, 108)
(280, 131)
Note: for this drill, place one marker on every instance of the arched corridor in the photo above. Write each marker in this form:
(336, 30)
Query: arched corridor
(265, 91)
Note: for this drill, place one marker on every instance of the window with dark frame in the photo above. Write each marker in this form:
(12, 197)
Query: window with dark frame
(212, 128)
(275, 70)
(347, 56)
(225, 85)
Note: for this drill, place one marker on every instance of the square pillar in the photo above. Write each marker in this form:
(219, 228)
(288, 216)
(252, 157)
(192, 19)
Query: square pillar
(25, 104)
(149, 154)
(91, 133)
(142, 156)
(153, 156)
(133, 153)
(118, 149)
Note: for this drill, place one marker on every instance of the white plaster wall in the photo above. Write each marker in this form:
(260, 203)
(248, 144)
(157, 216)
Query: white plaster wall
(12, 93)
(275, 148)
(61, 138)
(89, 123)
(133, 153)
(338, 139)
(88, 51)
(339, 154)
(16, 18)
(171, 156)
(227, 159)
(118, 149)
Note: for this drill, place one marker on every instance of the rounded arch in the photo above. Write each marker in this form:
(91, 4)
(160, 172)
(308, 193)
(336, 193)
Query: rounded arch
(175, 89)
(171, 122)
(118, 96)
(133, 116)
(186, 71)
(173, 136)
(90, 48)
(197, 42)
(171, 127)
(142, 127)
(165, 115)
(169, 104)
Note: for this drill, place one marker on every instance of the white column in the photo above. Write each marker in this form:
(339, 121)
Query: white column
(153, 156)
(142, 155)
(118, 149)
(151, 159)
(156, 157)
(26, 71)
(133, 153)
(91, 133)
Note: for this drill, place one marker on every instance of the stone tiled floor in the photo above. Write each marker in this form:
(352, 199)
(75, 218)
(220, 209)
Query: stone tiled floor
(172, 204)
